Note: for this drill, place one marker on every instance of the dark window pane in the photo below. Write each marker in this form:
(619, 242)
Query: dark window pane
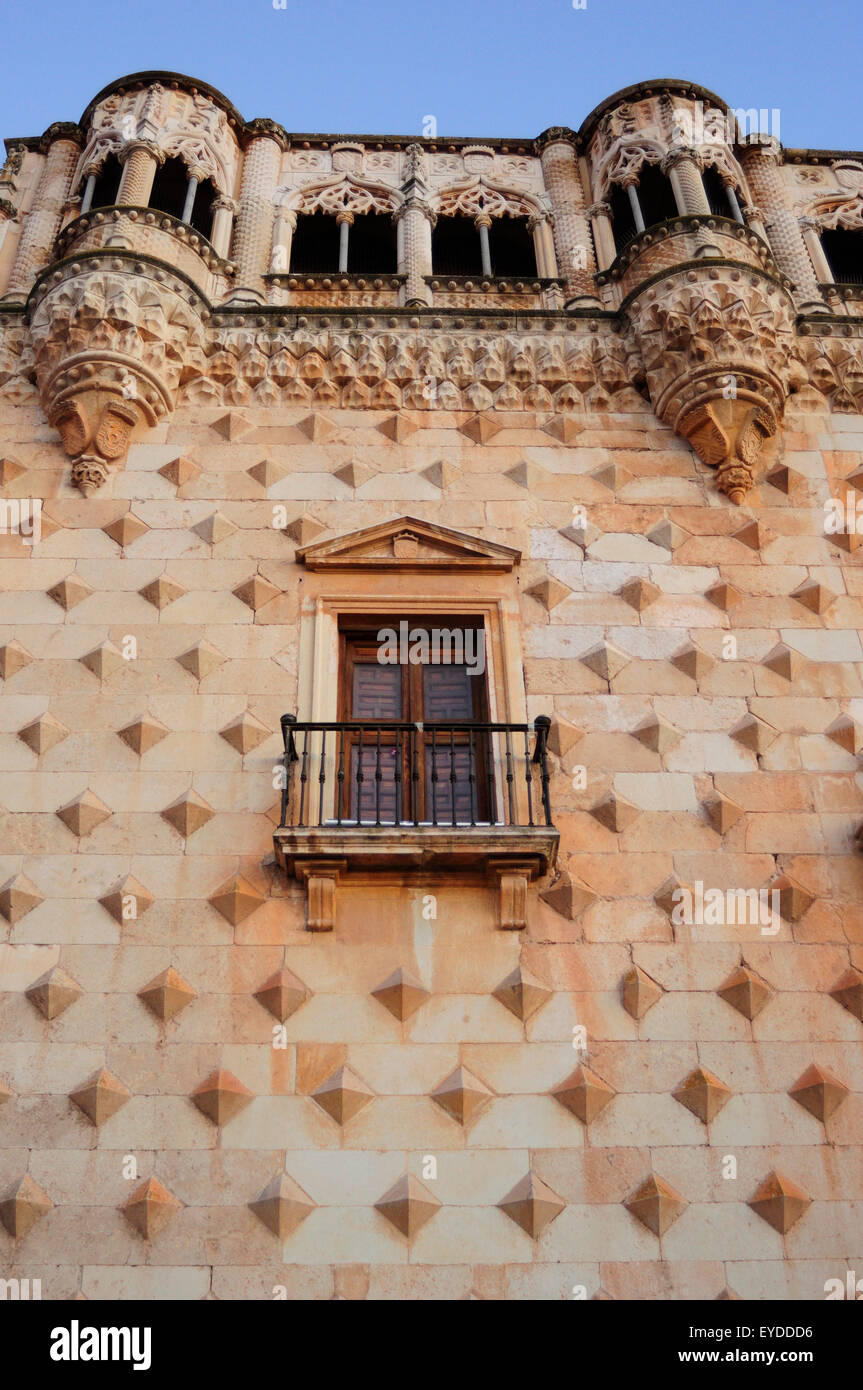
(655, 195)
(372, 244)
(315, 245)
(455, 247)
(447, 692)
(623, 221)
(377, 692)
(844, 252)
(511, 245)
(107, 183)
(717, 197)
(169, 187)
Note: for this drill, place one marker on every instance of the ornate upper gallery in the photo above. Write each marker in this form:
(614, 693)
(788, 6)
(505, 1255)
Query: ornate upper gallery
(165, 249)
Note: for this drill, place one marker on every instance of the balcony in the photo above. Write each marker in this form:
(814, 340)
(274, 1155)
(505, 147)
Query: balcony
(151, 233)
(362, 799)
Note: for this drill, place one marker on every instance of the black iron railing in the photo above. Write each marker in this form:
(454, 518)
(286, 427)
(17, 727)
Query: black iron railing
(362, 773)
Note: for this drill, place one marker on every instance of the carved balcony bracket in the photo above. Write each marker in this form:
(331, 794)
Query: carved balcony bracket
(717, 343)
(110, 336)
(320, 877)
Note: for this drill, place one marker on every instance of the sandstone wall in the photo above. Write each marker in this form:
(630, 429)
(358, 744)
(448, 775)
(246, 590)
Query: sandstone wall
(735, 770)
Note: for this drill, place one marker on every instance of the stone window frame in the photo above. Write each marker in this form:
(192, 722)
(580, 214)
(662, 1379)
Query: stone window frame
(418, 586)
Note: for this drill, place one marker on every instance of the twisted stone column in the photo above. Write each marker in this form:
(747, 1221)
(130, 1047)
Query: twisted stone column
(43, 220)
(254, 227)
(140, 162)
(683, 168)
(762, 160)
(414, 220)
(573, 243)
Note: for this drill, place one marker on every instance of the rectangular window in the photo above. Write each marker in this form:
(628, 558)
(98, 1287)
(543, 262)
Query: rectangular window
(432, 674)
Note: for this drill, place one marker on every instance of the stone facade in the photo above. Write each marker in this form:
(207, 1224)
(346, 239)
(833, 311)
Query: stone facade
(500, 1063)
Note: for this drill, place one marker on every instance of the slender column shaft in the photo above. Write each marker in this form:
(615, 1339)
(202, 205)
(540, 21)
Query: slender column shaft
(733, 204)
(223, 221)
(636, 206)
(344, 234)
(89, 189)
(484, 248)
(189, 205)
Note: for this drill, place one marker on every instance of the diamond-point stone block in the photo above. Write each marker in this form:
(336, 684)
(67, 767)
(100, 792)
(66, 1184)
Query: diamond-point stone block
(167, 994)
(18, 896)
(532, 1205)
(282, 994)
(656, 1204)
(54, 992)
(745, 991)
(780, 1202)
(82, 815)
(150, 1208)
(819, 1091)
(101, 1096)
(221, 1096)
(408, 1205)
(188, 814)
(640, 992)
(401, 994)
(282, 1206)
(343, 1095)
(22, 1205)
(522, 993)
(702, 1093)
(236, 900)
(462, 1095)
(584, 1094)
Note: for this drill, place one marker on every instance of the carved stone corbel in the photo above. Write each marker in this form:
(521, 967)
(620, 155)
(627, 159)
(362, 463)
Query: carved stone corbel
(511, 880)
(109, 339)
(728, 435)
(320, 877)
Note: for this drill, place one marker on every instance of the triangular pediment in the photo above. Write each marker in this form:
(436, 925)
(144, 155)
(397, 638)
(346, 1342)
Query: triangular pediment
(407, 543)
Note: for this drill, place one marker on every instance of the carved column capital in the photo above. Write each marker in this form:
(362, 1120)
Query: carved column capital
(222, 203)
(262, 128)
(148, 146)
(60, 130)
(556, 135)
(677, 154)
(767, 146)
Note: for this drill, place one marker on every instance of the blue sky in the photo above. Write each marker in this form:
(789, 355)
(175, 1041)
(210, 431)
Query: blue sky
(480, 67)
